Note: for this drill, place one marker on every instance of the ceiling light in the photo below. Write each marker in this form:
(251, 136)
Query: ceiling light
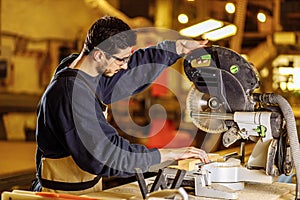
(261, 17)
(288, 71)
(200, 28)
(221, 33)
(183, 18)
(230, 8)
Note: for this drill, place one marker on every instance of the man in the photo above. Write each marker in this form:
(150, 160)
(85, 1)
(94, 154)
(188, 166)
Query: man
(76, 145)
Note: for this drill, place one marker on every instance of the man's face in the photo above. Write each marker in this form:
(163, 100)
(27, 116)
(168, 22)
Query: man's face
(115, 63)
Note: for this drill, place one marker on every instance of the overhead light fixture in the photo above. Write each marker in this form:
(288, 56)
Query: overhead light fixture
(285, 38)
(288, 71)
(288, 78)
(261, 17)
(221, 33)
(200, 28)
(230, 8)
(293, 85)
(183, 18)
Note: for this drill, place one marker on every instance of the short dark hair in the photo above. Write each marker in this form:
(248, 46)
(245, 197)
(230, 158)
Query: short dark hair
(109, 34)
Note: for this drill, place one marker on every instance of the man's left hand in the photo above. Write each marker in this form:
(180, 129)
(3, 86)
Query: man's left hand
(186, 46)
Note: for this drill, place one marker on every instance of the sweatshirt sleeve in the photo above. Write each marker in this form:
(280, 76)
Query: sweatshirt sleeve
(144, 66)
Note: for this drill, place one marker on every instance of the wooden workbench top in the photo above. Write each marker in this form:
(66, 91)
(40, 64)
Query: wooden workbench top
(274, 191)
(16, 157)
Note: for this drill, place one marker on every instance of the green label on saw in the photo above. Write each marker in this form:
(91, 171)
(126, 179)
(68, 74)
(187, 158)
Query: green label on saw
(261, 130)
(206, 57)
(234, 69)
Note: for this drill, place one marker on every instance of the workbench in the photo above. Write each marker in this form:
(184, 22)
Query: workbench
(17, 166)
(252, 191)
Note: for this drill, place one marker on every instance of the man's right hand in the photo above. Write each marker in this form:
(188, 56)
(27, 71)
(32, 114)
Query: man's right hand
(183, 153)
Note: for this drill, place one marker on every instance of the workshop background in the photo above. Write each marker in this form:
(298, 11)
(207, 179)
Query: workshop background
(36, 34)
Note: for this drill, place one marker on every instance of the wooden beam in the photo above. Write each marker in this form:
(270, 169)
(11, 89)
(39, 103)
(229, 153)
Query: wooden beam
(240, 18)
(107, 9)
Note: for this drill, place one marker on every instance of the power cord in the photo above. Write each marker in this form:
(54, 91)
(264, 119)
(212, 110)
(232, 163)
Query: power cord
(296, 195)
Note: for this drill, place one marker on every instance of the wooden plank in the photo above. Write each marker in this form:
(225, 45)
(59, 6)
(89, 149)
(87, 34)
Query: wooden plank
(189, 164)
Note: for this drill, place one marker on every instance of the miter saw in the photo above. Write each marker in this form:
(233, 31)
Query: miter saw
(222, 101)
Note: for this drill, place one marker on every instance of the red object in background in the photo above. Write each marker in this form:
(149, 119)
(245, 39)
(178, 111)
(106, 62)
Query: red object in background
(164, 135)
(160, 86)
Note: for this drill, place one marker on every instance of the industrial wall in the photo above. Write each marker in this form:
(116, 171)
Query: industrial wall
(32, 26)
(35, 33)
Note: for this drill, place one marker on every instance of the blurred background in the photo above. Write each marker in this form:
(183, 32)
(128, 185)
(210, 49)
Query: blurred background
(36, 34)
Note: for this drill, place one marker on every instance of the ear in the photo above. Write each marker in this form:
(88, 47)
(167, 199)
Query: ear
(98, 55)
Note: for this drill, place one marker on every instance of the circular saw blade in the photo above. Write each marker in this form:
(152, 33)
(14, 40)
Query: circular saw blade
(202, 114)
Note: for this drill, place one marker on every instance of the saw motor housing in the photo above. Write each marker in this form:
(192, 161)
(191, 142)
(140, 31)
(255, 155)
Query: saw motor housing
(222, 73)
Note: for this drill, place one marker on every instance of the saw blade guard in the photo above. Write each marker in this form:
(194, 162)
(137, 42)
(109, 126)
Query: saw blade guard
(223, 84)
